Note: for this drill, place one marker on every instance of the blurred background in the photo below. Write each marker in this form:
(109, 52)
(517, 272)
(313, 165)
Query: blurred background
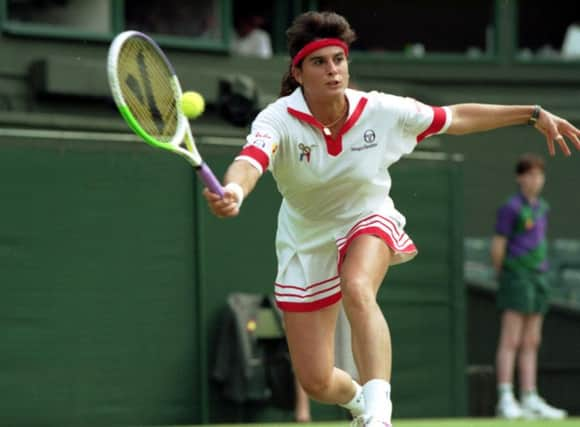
(114, 276)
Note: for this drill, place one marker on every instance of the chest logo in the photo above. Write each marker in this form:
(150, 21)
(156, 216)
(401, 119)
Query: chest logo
(305, 151)
(369, 136)
(529, 223)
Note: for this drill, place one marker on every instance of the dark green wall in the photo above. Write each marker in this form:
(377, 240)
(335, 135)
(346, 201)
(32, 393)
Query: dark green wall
(96, 285)
(424, 300)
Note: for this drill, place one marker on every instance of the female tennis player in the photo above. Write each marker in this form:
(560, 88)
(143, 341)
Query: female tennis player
(329, 148)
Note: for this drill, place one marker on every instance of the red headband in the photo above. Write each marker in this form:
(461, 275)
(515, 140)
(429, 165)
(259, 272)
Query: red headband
(318, 44)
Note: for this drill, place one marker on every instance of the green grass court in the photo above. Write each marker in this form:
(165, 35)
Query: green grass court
(455, 422)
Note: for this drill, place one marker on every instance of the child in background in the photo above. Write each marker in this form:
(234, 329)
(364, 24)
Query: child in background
(519, 256)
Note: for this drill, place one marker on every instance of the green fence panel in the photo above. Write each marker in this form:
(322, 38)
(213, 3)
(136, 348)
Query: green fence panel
(96, 285)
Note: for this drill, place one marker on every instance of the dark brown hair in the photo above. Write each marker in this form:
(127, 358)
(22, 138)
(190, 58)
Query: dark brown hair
(528, 162)
(308, 27)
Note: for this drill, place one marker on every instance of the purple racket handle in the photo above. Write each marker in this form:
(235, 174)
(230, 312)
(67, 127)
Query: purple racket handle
(210, 180)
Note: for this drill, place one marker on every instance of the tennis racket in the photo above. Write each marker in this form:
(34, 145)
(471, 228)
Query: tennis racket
(148, 94)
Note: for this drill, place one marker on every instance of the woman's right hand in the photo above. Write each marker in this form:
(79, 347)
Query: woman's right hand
(222, 207)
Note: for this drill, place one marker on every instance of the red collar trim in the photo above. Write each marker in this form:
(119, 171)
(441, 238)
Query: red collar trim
(333, 146)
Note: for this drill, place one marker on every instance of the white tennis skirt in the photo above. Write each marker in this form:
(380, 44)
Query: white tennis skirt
(310, 254)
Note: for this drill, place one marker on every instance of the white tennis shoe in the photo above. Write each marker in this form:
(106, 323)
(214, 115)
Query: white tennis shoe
(534, 407)
(508, 408)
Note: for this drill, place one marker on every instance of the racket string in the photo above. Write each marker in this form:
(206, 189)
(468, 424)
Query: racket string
(146, 86)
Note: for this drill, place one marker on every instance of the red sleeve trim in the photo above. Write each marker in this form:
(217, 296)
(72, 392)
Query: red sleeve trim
(256, 154)
(439, 118)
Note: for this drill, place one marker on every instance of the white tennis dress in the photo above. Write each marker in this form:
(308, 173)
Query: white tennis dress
(335, 189)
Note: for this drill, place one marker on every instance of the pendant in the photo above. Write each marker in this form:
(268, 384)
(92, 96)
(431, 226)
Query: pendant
(326, 131)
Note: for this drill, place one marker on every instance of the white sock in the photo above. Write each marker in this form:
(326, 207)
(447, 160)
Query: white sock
(377, 395)
(356, 405)
(526, 394)
(505, 390)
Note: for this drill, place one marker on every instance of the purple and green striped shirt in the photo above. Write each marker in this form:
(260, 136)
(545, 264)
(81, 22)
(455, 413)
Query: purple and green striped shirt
(524, 225)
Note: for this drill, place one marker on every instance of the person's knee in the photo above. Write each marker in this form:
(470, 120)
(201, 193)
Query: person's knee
(357, 293)
(316, 385)
(531, 341)
(511, 341)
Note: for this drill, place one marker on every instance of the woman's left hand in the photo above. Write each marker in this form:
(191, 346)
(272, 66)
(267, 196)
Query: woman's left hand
(556, 130)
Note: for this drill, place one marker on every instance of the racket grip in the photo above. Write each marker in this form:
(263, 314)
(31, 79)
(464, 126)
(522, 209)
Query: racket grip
(210, 180)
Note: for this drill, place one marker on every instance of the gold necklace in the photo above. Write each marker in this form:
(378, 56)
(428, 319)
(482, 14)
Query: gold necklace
(326, 128)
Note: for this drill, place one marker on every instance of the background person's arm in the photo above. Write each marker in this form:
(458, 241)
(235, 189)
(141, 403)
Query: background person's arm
(498, 250)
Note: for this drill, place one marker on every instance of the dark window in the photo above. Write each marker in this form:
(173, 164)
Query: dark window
(542, 28)
(419, 26)
(252, 28)
(199, 18)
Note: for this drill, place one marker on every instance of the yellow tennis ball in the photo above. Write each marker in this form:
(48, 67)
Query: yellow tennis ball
(192, 104)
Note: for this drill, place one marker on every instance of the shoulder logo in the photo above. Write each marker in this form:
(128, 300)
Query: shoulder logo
(263, 135)
(260, 143)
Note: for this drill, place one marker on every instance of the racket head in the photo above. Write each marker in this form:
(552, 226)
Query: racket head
(147, 92)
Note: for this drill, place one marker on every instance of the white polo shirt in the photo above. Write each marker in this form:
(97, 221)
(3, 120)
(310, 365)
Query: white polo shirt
(335, 188)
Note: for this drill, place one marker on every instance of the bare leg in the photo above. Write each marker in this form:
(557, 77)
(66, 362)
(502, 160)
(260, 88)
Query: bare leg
(302, 408)
(509, 343)
(310, 338)
(361, 275)
(528, 357)
(532, 404)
